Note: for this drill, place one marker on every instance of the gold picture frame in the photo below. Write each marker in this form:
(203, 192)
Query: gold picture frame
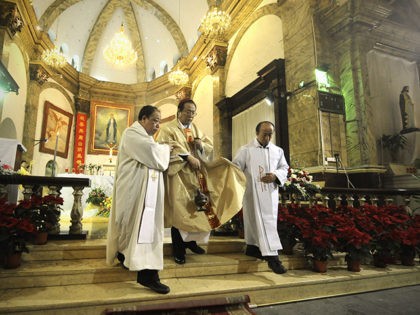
(108, 121)
(56, 129)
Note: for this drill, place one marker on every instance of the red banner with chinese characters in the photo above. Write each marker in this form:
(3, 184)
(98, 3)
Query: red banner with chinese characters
(79, 141)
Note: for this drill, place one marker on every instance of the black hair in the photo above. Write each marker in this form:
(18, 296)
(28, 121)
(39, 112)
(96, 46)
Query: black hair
(147, 110)
(182, 103)
(257, 129)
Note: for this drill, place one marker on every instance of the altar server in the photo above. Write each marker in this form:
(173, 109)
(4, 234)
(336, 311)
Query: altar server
(265, 168)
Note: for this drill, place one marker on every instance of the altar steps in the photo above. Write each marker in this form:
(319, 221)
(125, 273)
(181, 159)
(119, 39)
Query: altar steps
(71, 277)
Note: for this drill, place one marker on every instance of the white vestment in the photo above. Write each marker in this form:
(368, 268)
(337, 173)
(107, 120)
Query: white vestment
(135, 226)
(260, 203)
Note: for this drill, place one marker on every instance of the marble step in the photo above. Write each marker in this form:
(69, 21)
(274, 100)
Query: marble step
(43, 273)
(263, 287)
(96, 248)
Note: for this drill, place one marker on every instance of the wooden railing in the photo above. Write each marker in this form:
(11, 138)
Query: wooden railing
(34, 184)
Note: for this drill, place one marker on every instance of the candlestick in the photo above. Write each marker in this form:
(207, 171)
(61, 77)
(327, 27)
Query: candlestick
(55, 153)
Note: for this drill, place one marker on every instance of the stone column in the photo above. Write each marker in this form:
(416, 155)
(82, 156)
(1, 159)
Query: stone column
(215, 61)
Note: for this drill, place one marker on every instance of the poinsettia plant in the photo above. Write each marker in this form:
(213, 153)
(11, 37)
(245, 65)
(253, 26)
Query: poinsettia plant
(6, 169)
(352, 237)
(13, 229)
(43, 212)
(318, 230)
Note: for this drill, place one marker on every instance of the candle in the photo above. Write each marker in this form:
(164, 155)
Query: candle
(55, 152)
(110, 153)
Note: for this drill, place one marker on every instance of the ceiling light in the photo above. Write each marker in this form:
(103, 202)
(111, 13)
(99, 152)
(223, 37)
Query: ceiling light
(120, 51)
(178, 77)
(215, 22)
(54, 57)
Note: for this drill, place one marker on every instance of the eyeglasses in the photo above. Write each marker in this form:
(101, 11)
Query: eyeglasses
(190, 112)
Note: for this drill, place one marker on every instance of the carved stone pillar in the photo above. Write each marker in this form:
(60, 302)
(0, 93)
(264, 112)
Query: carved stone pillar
(216, 58)
(215, 61)
(82, 105)
(76, 213)
(38, 73)
(30, 122)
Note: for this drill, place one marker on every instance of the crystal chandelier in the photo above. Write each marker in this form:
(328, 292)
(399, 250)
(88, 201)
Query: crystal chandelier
(54, 57)
(178, 77)
(215, 22)
(120, 51)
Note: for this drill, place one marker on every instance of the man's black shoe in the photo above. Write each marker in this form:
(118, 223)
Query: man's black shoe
(253, 251)
(275, 265)
(180, 260)
(195, 248)
(156, 286)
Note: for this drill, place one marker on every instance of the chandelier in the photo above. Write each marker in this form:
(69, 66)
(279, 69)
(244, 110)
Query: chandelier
(120, 51)
(178, 77)
(54, 57)
(215, 22)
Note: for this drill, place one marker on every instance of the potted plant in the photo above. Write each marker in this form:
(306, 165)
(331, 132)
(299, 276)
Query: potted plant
(410, 241)
(287, 228)
(12, 235)
(386, 224)
(352, 236)
(43, 213)
(318, 234)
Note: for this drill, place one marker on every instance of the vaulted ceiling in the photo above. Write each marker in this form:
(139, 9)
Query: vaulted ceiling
(161, 32)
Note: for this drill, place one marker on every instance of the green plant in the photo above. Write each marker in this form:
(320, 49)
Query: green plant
(394, 142)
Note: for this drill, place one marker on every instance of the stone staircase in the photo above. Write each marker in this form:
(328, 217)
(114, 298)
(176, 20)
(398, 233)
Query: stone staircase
(71, 277)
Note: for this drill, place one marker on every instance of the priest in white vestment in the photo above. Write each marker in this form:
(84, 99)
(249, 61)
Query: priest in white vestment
(265, 168)
(135, 228)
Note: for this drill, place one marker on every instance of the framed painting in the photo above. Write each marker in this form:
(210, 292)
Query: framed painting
(107, 123)
(56, 129)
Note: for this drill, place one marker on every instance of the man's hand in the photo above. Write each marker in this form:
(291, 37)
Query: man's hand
(194, 162)
(268, 178)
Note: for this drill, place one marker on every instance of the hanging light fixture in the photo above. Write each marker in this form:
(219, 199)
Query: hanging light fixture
(120, 51)
(215, 22)
(178, 77)
(54, 57)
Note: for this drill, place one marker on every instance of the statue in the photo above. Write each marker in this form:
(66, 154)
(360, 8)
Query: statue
(406, 109)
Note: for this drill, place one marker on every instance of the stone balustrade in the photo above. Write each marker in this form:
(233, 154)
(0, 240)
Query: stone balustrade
(34, 184)
(333, 197)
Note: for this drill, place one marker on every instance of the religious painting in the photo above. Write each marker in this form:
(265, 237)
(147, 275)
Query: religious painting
(55, 132)
(108, 121)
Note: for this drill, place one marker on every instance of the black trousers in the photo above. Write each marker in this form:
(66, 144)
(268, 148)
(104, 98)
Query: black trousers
(147, 276)
(178, 244)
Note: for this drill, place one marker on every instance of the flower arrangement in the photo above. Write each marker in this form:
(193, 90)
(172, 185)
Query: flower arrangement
(96, 196)
(299, 183)
(6, 169)
(106, 207)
